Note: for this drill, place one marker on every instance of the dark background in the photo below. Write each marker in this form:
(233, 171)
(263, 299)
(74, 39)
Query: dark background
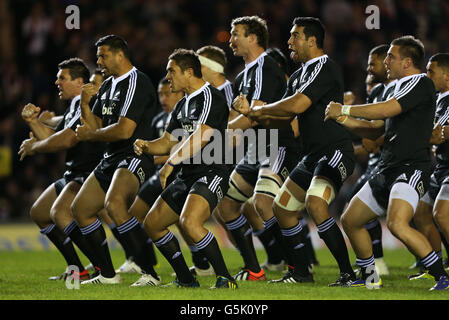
(34, 39)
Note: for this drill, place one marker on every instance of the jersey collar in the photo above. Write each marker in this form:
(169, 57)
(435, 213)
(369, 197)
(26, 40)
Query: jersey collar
(402, 80)
(252, 63)
(73, 102)
(227, 82)
(309, 62)
(442, 95)
(123, 76)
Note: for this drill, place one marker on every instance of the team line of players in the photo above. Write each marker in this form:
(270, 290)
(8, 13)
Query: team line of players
(124, 164)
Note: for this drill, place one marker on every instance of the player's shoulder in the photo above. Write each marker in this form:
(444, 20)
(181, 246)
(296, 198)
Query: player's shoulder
(216, 95)
(270, 65)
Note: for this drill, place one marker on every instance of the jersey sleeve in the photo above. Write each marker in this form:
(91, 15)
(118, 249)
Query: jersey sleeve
(411, 94)
(319, 82)
(174, 123)
(269, 84)
(137, 98)
(214, 107)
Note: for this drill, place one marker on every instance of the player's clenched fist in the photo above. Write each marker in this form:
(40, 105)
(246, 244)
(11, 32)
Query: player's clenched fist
(241, 104)
(139, 146)
(87, 92)
(30, 112)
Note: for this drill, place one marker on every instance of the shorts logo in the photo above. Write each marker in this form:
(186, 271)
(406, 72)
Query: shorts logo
(342, 169)
(420, 188)
(284, 173)
(141, 175)
(219, 193)
(203, 180)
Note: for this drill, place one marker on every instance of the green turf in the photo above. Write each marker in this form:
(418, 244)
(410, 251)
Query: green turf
(23, 276)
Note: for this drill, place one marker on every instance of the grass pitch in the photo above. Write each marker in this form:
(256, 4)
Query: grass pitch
(24, 274)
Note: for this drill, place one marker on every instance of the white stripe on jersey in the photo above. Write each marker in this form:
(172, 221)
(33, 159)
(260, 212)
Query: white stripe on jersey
(408, 87)
(206, 105)
(130, 93)
(314, 73)
(258, 80)
(335, 159)
(75, 118)
(443, 119)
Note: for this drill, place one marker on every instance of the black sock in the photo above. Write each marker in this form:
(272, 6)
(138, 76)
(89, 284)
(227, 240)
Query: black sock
(243, 237)
(134, 239)
(208, 246)
(367, 268)
(294, 240)
(149, 249)
(169, 247)
(308, 242)
(96, 238)
(64, 245)
(73, 231)
(333, 238)
(375, 231)
(118, 237)
(274, 246)
(198, 259)
(434, 265)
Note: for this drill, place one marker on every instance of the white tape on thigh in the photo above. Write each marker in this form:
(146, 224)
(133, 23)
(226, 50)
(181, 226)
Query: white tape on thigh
(444, 193)
(406, 192)
(285, 200)
(235, 193)
(321, 188)
(366, 196)
(267, 186)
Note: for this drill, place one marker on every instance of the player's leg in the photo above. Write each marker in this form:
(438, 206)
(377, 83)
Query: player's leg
(266, 189)
(240, 190)
(424, 222)
(156, 223)
(402, 205)
(87, 203)
(40, 214)
(362, 208)
(117, 202)
(62, 216)
(441, 210)
(286, 206)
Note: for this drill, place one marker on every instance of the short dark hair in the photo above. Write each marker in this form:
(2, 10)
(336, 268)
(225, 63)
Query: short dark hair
(77, 69)
(442, 59)
(312, 28)
(254, 25)
(412, 48)
(381, 51)
(115, 44)
(214, 53)
(186, 59)
(279, 57)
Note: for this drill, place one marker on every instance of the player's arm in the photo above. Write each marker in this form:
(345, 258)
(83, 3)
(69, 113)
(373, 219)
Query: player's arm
(192, 145)
(87, 92)
(59, 141)
(287, 107)
(241, 121)
(30, 115)
(123, 129)
(49, 119)
(370, 129)
(371, 111)
(156, 147)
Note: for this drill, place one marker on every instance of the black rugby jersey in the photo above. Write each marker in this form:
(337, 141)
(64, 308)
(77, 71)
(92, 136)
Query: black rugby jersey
(320, 79)
(85, 155)
(158, 125)
(407, 134)
(442, 116)
(262, 79)
(226, 89)
(206, 105)
(133, 96)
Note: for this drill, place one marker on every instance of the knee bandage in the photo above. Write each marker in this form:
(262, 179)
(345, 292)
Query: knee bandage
(235, 193)
(323, 189)
(268, 186)
(285, 200)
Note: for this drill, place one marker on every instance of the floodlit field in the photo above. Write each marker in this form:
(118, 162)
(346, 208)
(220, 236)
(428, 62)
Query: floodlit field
(24, 274)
